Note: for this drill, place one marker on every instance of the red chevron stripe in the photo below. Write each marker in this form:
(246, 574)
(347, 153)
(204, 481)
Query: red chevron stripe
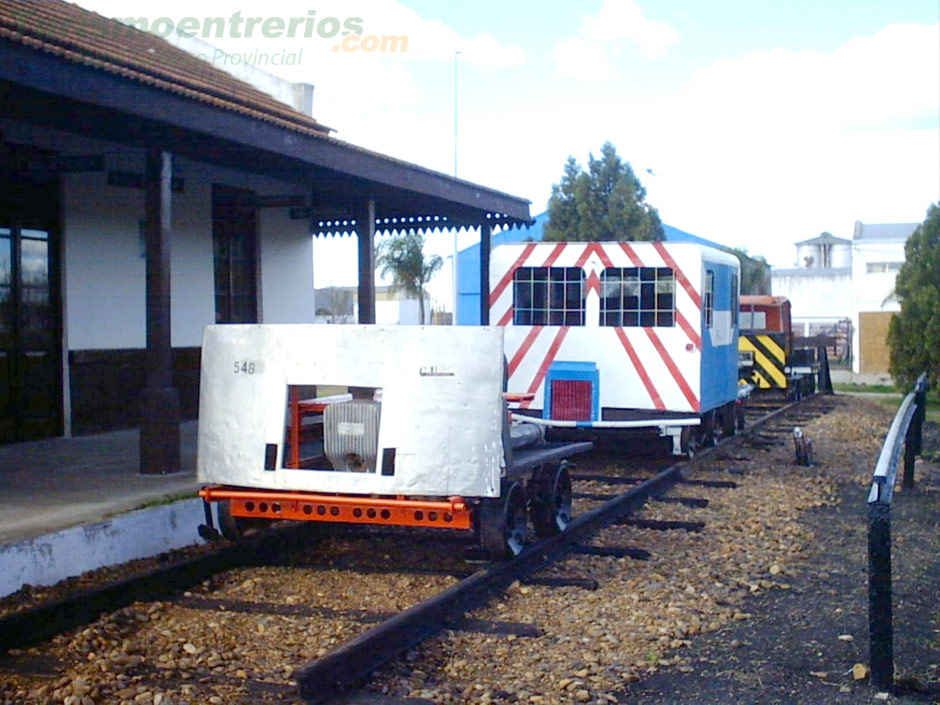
(555, 254)
(687, 327)
(507, 277)
(543, 368)
(504, 321)
(593, 283)
(637, 262)
(680, 275)
(524, 348)
(602, 253)
(638, 366)
(596, 249)
(673, 370)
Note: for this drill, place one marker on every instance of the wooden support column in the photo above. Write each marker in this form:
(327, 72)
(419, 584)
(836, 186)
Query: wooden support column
(160, 401)
(486, 245)
(365, 231)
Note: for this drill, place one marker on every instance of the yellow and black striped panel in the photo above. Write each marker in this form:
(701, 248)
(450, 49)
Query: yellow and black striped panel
(770, 359)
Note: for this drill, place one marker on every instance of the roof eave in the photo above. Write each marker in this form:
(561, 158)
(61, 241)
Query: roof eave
(63, 79)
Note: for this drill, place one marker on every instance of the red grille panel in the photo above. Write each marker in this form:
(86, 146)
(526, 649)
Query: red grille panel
(571, 400)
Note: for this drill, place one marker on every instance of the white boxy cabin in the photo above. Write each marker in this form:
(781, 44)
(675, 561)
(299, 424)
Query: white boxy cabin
(619, 334)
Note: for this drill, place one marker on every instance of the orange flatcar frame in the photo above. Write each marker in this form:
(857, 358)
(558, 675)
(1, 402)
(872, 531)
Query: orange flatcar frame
(453, 513)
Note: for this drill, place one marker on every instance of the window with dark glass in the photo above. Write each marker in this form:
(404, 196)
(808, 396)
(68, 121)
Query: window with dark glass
(638, 296)
(234, 235)
(735, 305)
(30, 363)
(709, 298)
(548, 296)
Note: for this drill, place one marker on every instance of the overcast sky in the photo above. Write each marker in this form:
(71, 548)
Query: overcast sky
(764, 123)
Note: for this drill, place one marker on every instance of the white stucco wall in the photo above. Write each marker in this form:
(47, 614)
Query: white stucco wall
(872, 291)
(192, 283)
(103, 237)
(103, 260)
(390, 312)
(104, 263)
(287, 294)
(826, 294)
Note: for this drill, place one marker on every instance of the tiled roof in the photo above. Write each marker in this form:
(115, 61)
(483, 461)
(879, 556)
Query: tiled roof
(75, 34)
(884, 231)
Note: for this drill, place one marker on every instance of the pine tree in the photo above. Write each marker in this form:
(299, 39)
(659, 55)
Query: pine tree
(914, 334)
(605, 203)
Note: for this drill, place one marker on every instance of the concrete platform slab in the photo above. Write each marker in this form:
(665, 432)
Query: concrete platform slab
(47, 559)
(53, 484)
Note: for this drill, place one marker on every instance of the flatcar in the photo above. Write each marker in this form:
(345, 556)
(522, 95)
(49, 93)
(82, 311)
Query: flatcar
(395, 426)
(768, 358)
(621, 335)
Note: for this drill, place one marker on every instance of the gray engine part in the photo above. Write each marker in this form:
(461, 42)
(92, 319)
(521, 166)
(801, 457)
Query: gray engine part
(351, 435)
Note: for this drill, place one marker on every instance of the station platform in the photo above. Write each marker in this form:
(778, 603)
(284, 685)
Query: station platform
(57, 483)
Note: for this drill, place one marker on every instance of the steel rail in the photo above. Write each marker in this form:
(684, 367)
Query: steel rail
(328, 676)
(34, 624)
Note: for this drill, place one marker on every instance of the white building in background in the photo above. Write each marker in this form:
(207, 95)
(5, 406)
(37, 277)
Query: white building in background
(820, 290)
(339, 304)
(844, 288)
(877, 255)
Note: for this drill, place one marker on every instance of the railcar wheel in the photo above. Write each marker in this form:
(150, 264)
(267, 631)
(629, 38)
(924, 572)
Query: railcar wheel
(232, 527)
(728, 423)
(688, 442)
(551, 506)
(502, 521)
(707, 429)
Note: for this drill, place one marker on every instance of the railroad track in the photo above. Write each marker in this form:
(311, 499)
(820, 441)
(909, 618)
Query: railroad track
(402, 622)
(326, 677)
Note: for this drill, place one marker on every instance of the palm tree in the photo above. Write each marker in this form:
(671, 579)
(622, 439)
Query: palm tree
(402, 257)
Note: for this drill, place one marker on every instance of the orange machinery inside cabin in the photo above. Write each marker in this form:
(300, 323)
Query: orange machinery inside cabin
(776, 310)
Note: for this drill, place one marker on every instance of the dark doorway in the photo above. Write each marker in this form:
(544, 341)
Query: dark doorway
(30, 325)
(235, 250)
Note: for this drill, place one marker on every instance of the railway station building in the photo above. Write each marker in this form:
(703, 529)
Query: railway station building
(146, 194)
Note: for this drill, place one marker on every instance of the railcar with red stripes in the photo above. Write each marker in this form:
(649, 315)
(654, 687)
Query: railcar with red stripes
(621, 335)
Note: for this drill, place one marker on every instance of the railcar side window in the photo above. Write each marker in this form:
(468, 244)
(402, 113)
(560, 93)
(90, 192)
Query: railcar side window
(638, 296)
(548, 296)
(734, 300)
(709, 298)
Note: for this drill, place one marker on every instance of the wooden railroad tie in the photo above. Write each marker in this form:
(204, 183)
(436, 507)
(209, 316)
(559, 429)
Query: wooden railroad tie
(584, 583)
(656, 525)
(695, 502)
(612, 552)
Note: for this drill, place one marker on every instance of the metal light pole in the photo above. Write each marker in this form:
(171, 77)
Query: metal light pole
(456, 54)
(453, 270)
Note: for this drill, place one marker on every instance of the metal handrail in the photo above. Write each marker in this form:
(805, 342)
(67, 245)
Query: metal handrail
(905, 432)
(886, 469)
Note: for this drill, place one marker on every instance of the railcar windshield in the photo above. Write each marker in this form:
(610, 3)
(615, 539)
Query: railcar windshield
(638, 296)
(548, 296)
